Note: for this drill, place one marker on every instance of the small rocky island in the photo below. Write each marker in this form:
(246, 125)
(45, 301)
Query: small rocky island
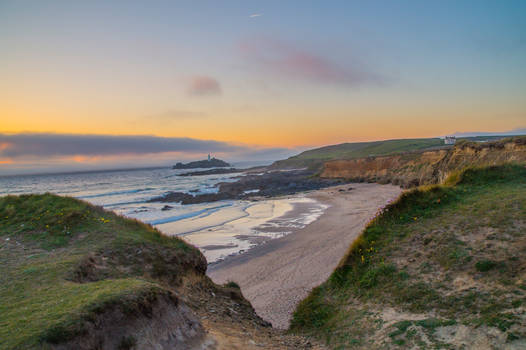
(207, 163)
(212, 172)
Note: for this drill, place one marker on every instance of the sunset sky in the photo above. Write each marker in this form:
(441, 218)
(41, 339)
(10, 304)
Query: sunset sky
(153, 81)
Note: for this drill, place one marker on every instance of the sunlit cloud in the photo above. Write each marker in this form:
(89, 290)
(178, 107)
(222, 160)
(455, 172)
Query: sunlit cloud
(86, 159)
(201, 85)
(284, 59)
(255, 15)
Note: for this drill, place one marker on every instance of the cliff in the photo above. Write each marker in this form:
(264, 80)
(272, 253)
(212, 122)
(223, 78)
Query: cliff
(315, 158)
(441, 268)
(427, 167)
(74, 276)
(212, 163)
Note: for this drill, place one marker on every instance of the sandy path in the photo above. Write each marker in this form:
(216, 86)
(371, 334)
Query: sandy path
(277, 275)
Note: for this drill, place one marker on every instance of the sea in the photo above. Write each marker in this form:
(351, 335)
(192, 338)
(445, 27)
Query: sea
(219, 229)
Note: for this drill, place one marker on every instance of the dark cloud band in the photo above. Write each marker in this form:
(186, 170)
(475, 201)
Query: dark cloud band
(49, 145)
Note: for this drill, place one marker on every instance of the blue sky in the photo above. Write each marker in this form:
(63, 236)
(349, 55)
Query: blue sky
(300, 74)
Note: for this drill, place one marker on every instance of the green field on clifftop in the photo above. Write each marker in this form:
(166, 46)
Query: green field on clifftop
(315, 158)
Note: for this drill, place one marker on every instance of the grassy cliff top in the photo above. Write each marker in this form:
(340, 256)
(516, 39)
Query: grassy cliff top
(442, 267)
(62, 260)
(315, 158)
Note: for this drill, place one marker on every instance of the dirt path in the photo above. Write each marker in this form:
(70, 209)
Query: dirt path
(275, 276)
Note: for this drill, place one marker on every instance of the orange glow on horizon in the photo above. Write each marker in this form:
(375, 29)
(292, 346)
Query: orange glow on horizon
(84, 159)
(281, 128)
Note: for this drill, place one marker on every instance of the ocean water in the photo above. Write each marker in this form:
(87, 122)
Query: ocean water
(219, 229)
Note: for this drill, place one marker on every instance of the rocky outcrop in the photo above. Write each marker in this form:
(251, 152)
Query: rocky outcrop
(268, 184)
(427, 167)
(212, 172)
(186, 198)
(212, 163)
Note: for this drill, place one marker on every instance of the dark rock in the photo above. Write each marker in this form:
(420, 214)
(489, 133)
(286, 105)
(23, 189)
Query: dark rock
(171, 197)
(167, 207)
(212, 172)
(212, 163)
(270, 184)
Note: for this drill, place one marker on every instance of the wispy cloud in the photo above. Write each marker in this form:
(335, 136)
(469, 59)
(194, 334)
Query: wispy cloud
(287, 60)
(201, 85)
(255, 15)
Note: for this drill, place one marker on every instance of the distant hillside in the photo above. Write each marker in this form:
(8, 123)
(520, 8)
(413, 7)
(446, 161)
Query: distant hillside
(315, 158)
(212, 163)
(441, 268)
(427, 166)
(74, 276)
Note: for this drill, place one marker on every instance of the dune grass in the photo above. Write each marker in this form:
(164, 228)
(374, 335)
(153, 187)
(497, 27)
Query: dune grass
(409, 256)
(43, 238)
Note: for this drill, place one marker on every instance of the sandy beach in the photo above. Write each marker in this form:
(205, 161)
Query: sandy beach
(276, 275)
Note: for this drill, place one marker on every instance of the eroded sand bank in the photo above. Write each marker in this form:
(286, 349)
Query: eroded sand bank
(276, 275)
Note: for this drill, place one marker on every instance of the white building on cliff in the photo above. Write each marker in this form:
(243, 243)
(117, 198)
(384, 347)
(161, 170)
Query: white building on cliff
(450, 140)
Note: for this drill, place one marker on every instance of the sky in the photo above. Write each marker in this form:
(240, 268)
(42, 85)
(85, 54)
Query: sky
(107, 83)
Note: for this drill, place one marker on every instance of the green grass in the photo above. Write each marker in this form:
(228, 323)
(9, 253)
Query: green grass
(44, 239)
(485, 265)
(316, 157)
(434, 231)
(232, 284)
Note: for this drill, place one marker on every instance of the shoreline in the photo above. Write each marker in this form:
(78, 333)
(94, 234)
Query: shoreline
(277, 275)
(240, 228)
(267, 184)
(274, 228)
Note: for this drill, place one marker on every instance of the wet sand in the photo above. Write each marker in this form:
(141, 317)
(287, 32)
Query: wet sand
(239, 227)
(278, 274)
